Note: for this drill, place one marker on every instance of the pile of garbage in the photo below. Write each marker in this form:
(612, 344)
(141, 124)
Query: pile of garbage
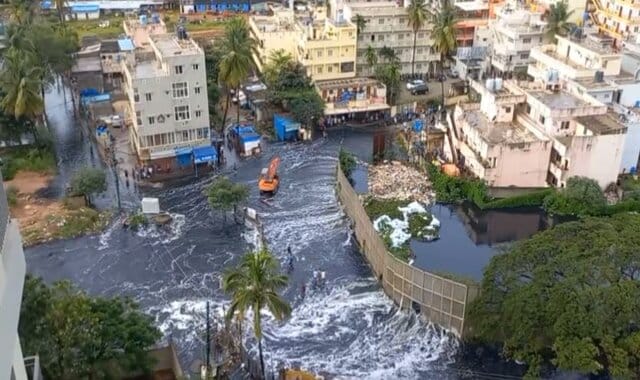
(393, 180)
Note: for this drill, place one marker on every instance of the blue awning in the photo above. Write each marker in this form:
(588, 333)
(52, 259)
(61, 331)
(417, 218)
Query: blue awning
(85, 8)
(46, 5)
(204, 154)
(183, 151)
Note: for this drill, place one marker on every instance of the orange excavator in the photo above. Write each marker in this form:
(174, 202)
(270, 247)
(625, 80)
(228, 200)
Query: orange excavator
(269, 181)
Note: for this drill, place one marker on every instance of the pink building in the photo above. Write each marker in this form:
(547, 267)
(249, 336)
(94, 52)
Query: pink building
(524, 135)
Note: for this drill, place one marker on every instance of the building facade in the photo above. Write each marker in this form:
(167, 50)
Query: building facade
(387, 26)
(168, 103)
(12, 274)
(514, 32)
(278, 31)
(526, 135)
(619, 19)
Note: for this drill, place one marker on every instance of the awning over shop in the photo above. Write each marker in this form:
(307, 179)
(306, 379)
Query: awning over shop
(183, 156)
(85, 8)
(204, 154)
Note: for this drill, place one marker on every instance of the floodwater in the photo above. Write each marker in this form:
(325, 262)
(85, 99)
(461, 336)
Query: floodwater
(351, 329)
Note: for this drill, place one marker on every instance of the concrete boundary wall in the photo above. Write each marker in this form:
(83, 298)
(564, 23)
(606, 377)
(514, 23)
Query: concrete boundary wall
(440, 300)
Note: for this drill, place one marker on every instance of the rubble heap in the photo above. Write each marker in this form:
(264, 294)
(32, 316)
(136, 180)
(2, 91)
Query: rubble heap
(392, 180)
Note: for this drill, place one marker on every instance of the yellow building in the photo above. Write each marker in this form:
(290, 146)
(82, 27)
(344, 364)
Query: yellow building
(278, 31)
(327, 48)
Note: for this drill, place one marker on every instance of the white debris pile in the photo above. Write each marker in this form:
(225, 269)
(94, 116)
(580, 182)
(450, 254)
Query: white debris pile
(398, 230)
(396, 181)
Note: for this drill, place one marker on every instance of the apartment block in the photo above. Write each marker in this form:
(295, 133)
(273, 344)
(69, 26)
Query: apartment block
(473, 17)
(361, 97)
(278, 31)
(514, 32)
(12, 274)
(619, 19)
(525, 135)
(168, 104)
(387, 26)
(327, 48)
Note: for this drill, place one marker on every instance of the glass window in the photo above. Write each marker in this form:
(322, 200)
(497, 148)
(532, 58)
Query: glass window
(136, 96)
(147, 96)
(182, 113)
(138, 118)
(329, 53)
(195, 66)
(178, 69)
(196, 90)
(152, 120)
(198, 113)
(180, 90)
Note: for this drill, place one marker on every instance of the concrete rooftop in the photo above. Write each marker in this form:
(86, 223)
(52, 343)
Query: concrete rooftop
(607, 124)
(170, 45)
(498, 133)
(559, 100)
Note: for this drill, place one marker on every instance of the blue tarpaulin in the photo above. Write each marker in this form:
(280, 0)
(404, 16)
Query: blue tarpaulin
(126, 44)
(46, 5)
(95, 99)
(102, 129)
(85, 8)
(183, 156)
(89, 92)
(246, 133)
(286, 129)
(418, 125)
(204, 154)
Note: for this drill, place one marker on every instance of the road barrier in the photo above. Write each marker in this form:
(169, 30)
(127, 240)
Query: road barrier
(440, 300)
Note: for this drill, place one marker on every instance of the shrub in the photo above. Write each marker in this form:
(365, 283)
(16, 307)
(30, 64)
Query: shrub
(88, 181)
(532, 199)
(347, 162)
(582, 196)
(377, 207)
(12, 195)
(138, 220)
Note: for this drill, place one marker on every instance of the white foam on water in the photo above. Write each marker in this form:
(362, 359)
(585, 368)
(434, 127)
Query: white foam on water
(165, 234)
(105, 237)
(399, 228)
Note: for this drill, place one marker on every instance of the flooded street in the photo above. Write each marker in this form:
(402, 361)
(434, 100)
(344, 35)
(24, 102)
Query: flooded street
(351, 329)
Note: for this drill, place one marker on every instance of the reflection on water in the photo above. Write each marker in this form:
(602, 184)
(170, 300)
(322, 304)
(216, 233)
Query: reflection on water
(470, 237)
(360, 179)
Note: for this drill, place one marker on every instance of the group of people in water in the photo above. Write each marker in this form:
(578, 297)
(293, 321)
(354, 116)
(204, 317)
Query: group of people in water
(318, 281)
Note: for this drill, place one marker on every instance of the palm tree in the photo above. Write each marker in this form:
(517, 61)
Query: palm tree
(22, 11)
(360, 22)
(254, 285)
(277, 60)
(388, 54)
(417, 15)
(371, 57)
(60, 5)
(236, 63)
(557, 20)
(21, 83)
(444, 35)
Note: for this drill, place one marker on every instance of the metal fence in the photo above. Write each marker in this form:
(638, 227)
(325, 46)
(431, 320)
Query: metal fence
(440, 300)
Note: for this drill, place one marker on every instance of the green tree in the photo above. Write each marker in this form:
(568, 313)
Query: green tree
(360, 21)
(238, 46)
(347, 162)
(444, 35)
(417, 16)
(388, 55)
(254, 286)
(60, 7)
(224, 195)
(278, 59)
(371, 57)
(307, 108)
(20, 81)
(389, 74)
(558, 20)
(77, 336)
(581, 196)
(88, 181)
(569, 296)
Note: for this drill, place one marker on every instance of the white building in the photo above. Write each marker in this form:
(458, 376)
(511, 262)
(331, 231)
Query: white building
(387, 26)
(12, 272)
(515, 31)
(168, 101)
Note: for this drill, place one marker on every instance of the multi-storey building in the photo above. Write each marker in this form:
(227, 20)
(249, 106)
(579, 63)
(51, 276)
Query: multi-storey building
(12, 272)
(387, 26)
(515, 31)
(278, 31)
(327, 48)
(620, 19)
(576, 8)
(167, 91)
(524, 135)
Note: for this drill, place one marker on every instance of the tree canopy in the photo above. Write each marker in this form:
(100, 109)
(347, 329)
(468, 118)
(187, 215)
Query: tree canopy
(581, 196)
(224, 195)
(558, 20)
(88, 181)
(77, 336)
(569, 296)
(417, 16)
(292, 90)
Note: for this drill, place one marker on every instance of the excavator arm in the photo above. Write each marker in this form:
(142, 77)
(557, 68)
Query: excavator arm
(273, 168)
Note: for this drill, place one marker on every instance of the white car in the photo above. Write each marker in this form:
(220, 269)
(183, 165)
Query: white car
(415, 83)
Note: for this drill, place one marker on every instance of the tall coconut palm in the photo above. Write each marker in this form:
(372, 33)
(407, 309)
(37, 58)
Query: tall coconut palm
(277, 60)
(236, 63)
(60, 6)
(360, 22)
(254, 285)
(558, 20)
(417, 16)
(22, 12)
(444, 35)
(21, 83)
(371, 57)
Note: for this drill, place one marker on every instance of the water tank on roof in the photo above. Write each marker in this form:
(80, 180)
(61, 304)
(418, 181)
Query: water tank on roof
(497, 84)
(143, 19)
(489, 84)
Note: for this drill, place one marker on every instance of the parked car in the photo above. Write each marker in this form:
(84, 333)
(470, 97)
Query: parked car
(420, 89)
(414, 83)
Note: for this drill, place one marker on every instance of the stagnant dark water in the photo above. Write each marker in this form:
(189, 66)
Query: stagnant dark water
(351, 329)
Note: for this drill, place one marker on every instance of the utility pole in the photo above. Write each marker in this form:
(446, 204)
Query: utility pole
(114, 167)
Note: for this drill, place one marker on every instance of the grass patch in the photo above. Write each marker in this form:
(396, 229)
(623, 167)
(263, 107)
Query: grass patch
(93, 28)
(171, 19)
(29, 159)
(137, 220)
(402, 252)
(72, 224)
(12, 195)
(456, 277)
(375, 208)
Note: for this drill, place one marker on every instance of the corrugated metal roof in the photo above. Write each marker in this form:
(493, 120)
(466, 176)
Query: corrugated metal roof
(477, 52)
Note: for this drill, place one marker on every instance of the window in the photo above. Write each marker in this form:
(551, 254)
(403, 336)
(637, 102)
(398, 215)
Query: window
(138, 118)
(419, 51)
(198, 113)
(152, 120)
(180, 90)
(403, 20)
(319, 70)
(604, 64)
(381, 37)
(524, 55)
(420, 35)
(329, 53)
(149, 141)
(319, 54)
(564, 125)
(541, 119)
(147, 96)
(526, 40)
(373, 38)
(182, 113)
(507, 109)
(196, 90)
(380, 21)
(178, 69)
(330, 69)
(350, 34)
(136, 96)
(195, 66)
(400, 36)
(185, 135)
(203, 133)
